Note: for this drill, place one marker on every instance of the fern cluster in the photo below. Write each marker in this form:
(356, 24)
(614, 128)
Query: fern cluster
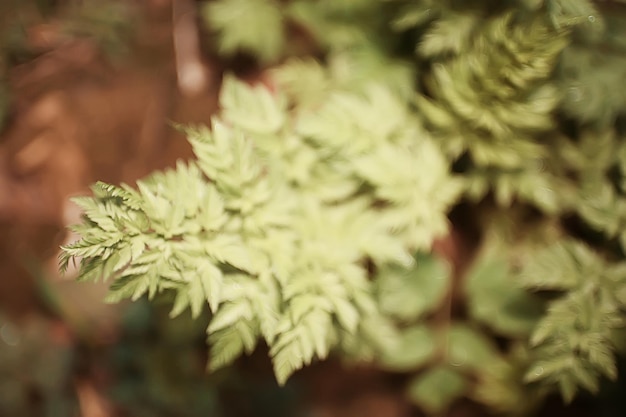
(488, 95)
(273, 224)
(307, 218)
(263, 27)
(576, 338)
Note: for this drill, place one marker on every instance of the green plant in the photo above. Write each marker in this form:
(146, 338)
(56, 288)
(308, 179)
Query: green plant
(308, 217)
(272, 224)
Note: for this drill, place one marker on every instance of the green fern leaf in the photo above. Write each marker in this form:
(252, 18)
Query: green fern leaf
(247, 26)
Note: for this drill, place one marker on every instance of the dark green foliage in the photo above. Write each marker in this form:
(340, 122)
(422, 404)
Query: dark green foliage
(157, 366)
(489, 98)
(575, 340)
(437, 388)
(35, 372)
(497, 300)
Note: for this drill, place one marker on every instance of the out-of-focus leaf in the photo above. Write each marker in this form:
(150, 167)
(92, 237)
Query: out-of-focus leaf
(415, 347)
(436, 389)
(409, 293)
(467, 348)
(495, 299)
(254, 26)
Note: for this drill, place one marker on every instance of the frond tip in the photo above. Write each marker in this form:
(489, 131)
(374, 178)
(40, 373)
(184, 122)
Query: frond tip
(575, 340)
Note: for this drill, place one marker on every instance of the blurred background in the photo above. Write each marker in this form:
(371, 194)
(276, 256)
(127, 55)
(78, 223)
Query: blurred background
(87, 92)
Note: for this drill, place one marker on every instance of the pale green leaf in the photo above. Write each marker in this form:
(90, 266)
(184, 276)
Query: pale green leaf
(254, 26)
(211, 279)
(181, 302)
(346, 313)
(253, 109)
(127, 287)
(197, 298)
(226, 346)
(229, 314)
(289, 357)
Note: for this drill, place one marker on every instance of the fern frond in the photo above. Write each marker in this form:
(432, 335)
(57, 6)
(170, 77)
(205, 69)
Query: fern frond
(272, 253)
(575, 338)
(247, 26)
(518, 99)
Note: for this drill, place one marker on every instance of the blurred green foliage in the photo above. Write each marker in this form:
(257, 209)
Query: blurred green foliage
(35, 370)
(158, 366)
(523, 98)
